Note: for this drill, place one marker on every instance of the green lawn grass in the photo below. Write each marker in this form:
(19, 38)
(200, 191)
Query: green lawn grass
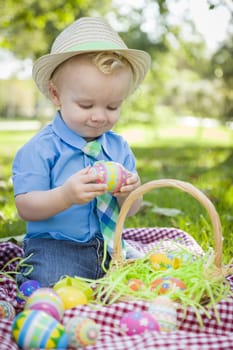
(205, 161)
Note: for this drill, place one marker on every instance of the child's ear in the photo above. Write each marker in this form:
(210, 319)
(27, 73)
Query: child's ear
(54, 94)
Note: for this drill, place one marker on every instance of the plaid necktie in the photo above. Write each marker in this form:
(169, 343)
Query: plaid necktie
(107, 207)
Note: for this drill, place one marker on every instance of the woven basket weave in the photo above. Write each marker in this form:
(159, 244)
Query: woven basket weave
(117, 258)
(206, 280)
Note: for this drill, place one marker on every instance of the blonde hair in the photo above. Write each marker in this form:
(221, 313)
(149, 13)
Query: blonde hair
(106, 61)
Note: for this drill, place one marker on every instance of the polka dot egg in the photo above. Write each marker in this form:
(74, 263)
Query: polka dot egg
(26, 289)
(82, 331)
(137, 322)
(111, 173)
(165, 285)
(164, 311)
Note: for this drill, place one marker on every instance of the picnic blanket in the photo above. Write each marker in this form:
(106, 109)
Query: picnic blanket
(189, 335)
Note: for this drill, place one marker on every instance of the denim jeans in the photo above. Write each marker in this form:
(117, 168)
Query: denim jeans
(53, 259)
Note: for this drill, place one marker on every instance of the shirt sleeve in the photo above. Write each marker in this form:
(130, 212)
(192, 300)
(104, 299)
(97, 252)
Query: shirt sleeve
(31, 168)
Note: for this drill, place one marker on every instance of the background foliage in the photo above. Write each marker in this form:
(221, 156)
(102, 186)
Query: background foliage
(184, 79)
(206, 163)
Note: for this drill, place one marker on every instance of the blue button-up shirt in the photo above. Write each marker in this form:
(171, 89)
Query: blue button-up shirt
(48, 160)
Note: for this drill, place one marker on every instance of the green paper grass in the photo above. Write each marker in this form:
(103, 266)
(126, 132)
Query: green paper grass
(205, 285)
(10, 274)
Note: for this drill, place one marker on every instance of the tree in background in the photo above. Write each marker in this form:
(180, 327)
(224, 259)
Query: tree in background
(183, 79)
(28, 27)
(222, 66)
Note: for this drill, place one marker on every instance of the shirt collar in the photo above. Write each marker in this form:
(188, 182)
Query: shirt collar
(73, 139)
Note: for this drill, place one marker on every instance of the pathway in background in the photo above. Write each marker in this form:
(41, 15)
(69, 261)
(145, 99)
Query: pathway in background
(19, 125)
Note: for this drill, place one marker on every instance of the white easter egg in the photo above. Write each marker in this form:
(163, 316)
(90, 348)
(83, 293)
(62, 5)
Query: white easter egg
(164, 311)
(82, 331)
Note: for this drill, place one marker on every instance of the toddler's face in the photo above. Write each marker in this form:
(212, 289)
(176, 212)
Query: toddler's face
(89, 100)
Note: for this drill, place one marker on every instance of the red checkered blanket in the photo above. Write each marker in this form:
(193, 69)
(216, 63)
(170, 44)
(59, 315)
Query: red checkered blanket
(189, 334)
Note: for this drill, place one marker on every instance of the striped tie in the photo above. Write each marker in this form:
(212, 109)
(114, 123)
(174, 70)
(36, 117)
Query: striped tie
(107, 207)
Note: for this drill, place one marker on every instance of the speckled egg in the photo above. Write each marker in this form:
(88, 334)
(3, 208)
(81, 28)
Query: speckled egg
(47, 300)
(167, 285)
(137, 322)
(163, 309)
(82, 331)
(27, 288)
(36, 329)
(6, 310)
(111, 173)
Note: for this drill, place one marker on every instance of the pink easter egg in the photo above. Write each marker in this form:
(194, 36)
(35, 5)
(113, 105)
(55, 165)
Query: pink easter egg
(111, 173)
(137, 322)
(47, 300)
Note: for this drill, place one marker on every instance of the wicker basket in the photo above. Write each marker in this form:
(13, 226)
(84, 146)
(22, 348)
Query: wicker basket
(207, 268)
(184, 186)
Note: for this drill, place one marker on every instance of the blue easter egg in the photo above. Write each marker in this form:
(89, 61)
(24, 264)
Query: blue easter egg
(27, 288)
(36, 329)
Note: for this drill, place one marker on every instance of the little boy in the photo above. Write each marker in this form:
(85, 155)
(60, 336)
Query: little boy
(87, 75)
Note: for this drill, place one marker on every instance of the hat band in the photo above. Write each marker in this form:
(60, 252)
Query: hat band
(96, 45)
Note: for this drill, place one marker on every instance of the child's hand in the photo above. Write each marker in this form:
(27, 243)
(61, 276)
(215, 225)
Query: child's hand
(133, 182)
(81, 188)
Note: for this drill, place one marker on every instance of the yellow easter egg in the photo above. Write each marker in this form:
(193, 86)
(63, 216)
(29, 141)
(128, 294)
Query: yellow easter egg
(162, 261)
(71, 296)
(77, 283)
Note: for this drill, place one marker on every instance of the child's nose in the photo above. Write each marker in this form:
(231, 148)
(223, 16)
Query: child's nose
(98, 115)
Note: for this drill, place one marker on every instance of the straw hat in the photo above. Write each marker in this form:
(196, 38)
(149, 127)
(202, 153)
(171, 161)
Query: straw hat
(87, 35)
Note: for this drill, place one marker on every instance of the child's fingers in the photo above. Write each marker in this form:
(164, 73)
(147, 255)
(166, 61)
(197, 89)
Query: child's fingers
(86, 176)
(96, 188)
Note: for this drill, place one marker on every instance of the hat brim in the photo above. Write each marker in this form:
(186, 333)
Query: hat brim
(45, 66)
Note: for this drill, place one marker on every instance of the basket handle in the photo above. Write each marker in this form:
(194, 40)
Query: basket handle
(184, 186)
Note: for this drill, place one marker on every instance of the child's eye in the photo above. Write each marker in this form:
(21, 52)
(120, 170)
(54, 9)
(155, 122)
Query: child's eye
(111, 108)
(85, 106)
